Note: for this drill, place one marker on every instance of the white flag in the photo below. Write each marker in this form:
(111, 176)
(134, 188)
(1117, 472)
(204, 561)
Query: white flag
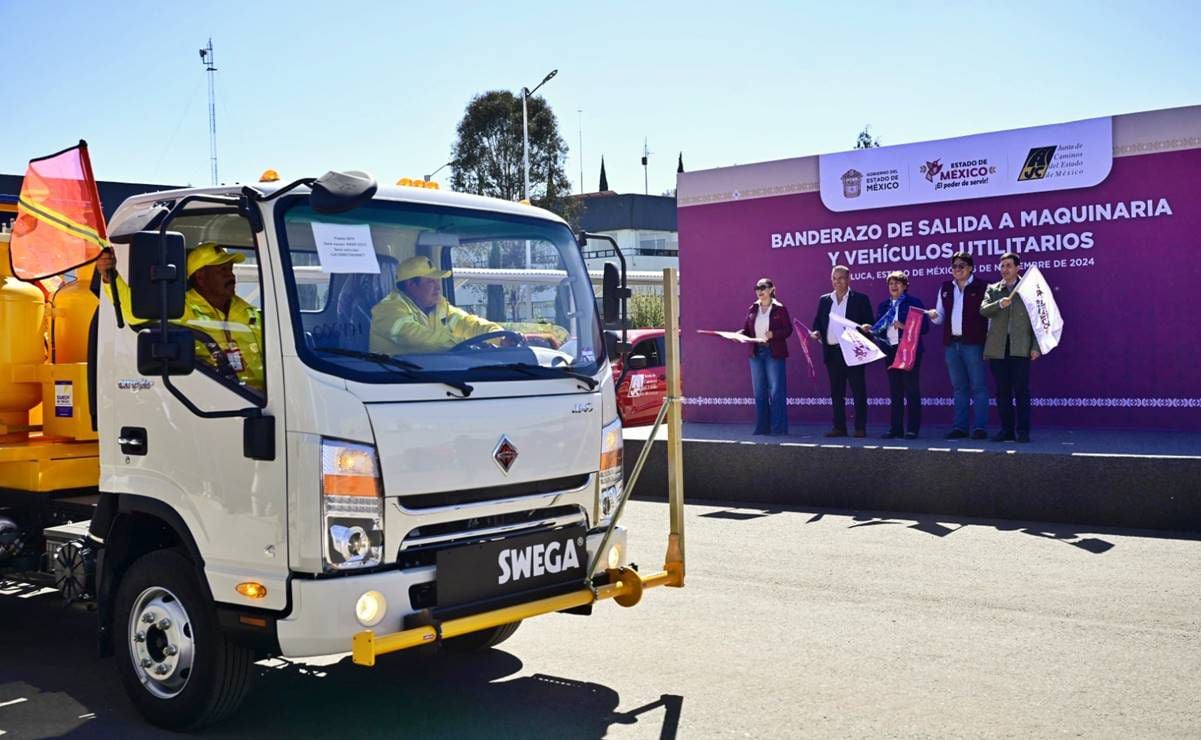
(856, 348)
(1040, 304)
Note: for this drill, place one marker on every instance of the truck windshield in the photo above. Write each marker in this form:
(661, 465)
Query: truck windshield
(401, 292)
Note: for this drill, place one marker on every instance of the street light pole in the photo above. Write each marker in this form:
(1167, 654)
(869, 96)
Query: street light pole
(430, 175)
(525, 129)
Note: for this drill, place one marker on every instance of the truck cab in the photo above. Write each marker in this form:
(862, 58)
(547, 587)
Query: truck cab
(341, 490)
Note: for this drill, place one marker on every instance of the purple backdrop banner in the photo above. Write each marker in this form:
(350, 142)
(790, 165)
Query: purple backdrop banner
(1121, 257)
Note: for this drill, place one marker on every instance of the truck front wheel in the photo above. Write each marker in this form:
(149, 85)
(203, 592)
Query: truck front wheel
(178, 668)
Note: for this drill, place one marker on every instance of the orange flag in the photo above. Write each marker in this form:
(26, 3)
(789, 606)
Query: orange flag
(59, 224)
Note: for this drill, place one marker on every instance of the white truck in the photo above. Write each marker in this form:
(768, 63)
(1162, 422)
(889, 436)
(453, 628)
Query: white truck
(349, 500)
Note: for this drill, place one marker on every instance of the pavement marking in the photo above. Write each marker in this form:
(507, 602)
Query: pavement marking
(939, 449)
(1136, 456)
(889, 447)
(834, 447)
(11, 702)
(970, 449)
(89, 715)
(798, 444)
(39, 592)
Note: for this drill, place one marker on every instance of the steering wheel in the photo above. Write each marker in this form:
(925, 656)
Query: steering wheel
(480, 340)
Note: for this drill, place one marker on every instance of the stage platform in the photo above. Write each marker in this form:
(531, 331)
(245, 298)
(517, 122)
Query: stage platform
(1145, 480)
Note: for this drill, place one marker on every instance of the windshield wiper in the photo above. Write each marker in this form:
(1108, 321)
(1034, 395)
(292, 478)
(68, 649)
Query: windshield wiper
(406, 367)
(540, 371)
(379, 357)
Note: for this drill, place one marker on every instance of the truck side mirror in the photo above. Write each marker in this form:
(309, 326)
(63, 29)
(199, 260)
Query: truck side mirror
(637, 362)
(173, 353)
(610, 294)
(258, 437)
(155, 260)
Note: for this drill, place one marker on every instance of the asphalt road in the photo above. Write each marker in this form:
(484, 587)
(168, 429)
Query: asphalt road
(793, 624)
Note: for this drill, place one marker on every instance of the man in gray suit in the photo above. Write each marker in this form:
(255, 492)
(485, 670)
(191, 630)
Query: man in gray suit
(1009, 349)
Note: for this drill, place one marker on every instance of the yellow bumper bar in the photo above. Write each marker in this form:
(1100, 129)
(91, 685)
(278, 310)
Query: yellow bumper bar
(625, 587)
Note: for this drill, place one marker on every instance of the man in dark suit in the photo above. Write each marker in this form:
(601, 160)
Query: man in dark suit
(854, 307)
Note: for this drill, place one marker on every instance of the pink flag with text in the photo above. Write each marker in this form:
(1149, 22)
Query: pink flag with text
(907, 349)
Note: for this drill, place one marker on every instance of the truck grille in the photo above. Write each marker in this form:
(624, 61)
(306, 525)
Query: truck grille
(421, 545)
(494, 493)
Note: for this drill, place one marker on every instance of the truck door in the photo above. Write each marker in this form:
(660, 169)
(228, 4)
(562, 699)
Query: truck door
(153, 447)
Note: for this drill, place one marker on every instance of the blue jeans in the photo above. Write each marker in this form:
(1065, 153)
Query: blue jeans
(965, 363)
(771, 394)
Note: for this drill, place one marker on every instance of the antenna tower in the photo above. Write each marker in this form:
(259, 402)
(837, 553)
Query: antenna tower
(206, 58)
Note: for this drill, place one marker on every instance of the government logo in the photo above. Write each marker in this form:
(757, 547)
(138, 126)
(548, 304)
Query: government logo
(852, 182)
(1037, 163)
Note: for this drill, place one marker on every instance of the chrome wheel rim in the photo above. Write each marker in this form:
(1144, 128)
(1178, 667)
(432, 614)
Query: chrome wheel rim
(161, 642)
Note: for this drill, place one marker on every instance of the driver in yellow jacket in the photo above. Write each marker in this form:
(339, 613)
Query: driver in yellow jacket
(228, 330)
(416, 317)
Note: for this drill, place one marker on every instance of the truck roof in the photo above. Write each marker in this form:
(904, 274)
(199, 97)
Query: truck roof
(385, 192)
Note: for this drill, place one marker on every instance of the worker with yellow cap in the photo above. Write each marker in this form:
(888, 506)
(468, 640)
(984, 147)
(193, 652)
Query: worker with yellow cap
(228, 330)
(417, 318)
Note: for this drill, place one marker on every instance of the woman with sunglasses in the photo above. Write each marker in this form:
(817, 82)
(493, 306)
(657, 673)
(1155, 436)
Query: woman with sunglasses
(767, 322)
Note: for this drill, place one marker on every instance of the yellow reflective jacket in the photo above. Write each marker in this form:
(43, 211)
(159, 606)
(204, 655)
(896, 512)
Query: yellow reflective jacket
(399, 326)
(232, 344)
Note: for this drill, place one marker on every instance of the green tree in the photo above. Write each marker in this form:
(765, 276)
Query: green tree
(487, 156)
(865, 140)
(646, 311)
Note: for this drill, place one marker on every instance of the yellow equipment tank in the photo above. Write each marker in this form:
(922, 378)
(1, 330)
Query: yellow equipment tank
(22, 313)
(71, 313)
(56, 450)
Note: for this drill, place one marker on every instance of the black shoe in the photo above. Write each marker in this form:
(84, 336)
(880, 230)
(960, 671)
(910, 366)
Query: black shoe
(890, 435)
(860, 433)
(910, 435)
(1022, 437)
(979, 434)
(836, 433)
(1002, 437)
(956, 434)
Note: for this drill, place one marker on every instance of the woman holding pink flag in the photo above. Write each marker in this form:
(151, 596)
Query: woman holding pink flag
(903, 385)
(768, 323)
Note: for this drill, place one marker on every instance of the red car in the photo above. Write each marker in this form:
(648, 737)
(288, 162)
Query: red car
(641, 393)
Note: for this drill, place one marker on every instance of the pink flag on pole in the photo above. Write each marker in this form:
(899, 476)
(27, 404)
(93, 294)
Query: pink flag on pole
(907, 349)
(803, 335)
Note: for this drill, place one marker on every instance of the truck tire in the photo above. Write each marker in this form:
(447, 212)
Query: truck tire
(178, 668)
(482, 640)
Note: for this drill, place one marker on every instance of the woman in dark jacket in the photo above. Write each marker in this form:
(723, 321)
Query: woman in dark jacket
(903, 386)
(767, 321)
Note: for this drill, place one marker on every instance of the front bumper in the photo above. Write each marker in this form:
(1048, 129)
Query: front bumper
(625, 586)
(323, 622)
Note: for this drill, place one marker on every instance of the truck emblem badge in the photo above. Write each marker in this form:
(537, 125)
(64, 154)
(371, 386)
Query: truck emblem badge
(505, 454)
(584, 407)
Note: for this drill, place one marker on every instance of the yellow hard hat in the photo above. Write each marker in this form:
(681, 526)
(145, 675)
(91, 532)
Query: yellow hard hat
(208, 254)
(415, 267)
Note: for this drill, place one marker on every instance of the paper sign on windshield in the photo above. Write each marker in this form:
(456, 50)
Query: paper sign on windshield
(345, 248)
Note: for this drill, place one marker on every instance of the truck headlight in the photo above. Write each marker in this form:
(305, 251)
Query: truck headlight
(352, 505)
(611, 473)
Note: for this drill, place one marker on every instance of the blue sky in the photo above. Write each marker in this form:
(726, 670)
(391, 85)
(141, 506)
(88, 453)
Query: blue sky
(304, 87)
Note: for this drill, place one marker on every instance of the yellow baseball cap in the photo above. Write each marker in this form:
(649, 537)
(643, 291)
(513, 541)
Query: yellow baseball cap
(208, 254)
(415, 267)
